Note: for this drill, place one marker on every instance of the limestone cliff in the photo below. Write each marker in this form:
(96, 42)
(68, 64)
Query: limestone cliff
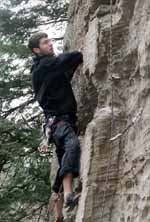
(116, 175)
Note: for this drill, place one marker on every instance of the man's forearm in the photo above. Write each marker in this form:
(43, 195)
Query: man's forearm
(71, 61)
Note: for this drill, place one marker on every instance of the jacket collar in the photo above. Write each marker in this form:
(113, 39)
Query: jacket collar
(37, 58)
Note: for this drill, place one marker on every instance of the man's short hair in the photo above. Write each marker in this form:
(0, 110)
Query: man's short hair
(34, 40)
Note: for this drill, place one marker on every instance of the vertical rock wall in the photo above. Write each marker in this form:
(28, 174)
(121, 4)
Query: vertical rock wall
(115, 176)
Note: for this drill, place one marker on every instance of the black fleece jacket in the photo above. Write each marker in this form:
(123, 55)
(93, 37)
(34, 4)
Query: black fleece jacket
(58, 97)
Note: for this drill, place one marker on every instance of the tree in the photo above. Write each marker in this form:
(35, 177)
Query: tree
(24, 173)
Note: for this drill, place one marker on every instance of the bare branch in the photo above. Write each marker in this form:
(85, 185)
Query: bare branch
(53, 21)
(8, 112)
(32, 212)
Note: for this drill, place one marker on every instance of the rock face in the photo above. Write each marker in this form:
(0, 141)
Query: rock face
(115, 175)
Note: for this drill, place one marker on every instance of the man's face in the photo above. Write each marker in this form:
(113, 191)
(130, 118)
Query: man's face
(45, 47)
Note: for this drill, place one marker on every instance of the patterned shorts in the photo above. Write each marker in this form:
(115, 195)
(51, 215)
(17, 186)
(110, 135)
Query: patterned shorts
(63, 133)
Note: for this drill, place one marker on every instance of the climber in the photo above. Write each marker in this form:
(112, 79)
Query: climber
(51, 82)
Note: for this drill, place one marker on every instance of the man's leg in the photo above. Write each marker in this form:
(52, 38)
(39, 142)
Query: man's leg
(68, 178)
(65, 136)
(70, 164)
(67, 182)
(58, 189)
(58, 207)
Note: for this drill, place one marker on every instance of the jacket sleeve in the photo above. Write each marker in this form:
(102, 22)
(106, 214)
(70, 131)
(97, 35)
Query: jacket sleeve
(64, 63)
(70, 62)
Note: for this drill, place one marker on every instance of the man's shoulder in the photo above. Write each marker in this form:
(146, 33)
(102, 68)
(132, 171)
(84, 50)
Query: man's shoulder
(46, 63)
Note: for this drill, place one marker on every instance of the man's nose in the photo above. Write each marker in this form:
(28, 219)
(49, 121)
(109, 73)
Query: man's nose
(50, 42)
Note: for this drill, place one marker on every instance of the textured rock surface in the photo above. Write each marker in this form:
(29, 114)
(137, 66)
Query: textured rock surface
(115, 176)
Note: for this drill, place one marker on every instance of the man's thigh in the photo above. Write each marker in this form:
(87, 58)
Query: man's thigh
(58, 183)
(62, 130)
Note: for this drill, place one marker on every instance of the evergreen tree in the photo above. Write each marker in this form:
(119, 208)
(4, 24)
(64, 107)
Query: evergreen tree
(24, 173)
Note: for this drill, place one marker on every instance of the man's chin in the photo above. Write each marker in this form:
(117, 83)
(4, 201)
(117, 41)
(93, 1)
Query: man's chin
(50, 53)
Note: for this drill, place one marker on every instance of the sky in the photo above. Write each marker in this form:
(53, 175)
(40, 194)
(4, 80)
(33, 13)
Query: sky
(52, 30)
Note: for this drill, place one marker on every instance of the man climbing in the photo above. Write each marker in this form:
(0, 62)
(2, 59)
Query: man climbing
(51, 81)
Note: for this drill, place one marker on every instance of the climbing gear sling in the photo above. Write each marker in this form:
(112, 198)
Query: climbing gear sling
(47, 134)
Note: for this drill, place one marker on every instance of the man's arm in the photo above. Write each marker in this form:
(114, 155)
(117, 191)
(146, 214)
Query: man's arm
(65, 62)
(55, 67)
(71, 61)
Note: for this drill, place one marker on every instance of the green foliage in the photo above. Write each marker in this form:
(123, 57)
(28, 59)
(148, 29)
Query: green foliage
(14, 48)
(24, 173)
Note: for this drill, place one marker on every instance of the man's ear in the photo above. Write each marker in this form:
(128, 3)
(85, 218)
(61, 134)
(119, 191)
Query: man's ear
(36, 50)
